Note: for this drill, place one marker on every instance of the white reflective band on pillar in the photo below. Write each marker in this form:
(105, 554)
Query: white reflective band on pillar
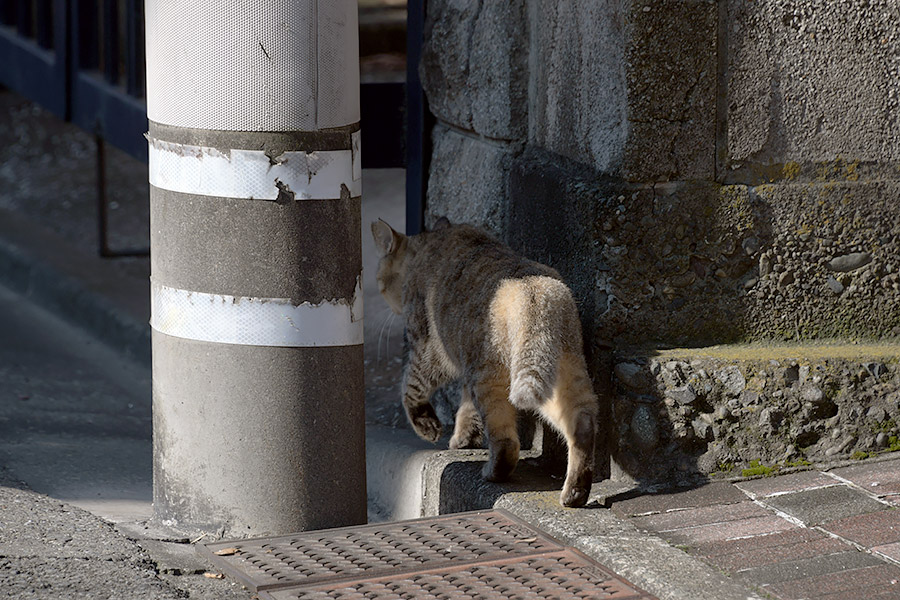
(251, 174)
(256, 321)
(254, 65)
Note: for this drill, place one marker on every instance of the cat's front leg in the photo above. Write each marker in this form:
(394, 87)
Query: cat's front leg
(419, 382)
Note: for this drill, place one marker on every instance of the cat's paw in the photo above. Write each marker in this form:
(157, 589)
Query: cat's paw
(425, 423)
(470, 439)
(575, 494)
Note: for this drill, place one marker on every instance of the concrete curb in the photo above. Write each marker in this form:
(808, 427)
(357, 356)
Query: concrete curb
(452, 483)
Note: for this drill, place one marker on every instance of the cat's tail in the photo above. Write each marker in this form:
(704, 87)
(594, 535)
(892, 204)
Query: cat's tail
(537, 341)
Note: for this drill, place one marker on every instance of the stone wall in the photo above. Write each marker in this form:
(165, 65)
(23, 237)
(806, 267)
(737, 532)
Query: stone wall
(731, 169)
(753, 411)
(701, 172)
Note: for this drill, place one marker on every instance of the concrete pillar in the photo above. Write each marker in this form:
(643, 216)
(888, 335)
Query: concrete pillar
(258, 406)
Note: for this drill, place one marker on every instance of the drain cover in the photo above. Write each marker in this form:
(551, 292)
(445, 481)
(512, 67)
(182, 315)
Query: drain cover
(486, 554)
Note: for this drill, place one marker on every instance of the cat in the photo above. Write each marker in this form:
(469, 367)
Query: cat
(506, 327)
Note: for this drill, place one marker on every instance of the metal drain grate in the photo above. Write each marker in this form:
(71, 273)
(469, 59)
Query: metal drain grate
(487, 554)
(560, 576)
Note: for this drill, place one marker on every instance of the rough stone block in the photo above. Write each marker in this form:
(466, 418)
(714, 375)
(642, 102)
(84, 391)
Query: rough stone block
(468, 180)
(700, 263)
(474, 65)
(812, 81)
(549, 197)
(626, 87)
(670, 68)
(577, 90)
(720, 429)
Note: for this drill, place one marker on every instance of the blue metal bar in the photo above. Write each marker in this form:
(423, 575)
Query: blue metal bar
(109, 40)
(135, 64)
(419, 121)
(8, 13)
(85, 35)
(44, 22)
(107, 110)
(35, 72)
(24, 17)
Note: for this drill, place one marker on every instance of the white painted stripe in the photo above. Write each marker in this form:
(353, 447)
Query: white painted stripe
(256, 321)
(251, 174)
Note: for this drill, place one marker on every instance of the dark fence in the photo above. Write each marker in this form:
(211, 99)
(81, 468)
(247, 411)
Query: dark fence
(84, 61)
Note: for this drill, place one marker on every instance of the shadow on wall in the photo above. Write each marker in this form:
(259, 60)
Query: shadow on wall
(805, 254)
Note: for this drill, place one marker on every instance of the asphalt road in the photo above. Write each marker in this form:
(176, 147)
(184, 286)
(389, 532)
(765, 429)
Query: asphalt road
(75, 420)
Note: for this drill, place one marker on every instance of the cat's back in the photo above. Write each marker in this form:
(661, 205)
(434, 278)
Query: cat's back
(467, 254)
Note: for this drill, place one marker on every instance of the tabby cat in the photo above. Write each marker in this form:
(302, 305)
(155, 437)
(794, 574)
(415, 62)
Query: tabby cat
(506, 327)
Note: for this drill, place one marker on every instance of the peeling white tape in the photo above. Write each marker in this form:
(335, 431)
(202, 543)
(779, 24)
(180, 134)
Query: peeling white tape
(251, 174)
(356, 149)
(250, 321)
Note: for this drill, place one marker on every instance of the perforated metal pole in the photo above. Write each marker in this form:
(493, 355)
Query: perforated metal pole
(258, 416)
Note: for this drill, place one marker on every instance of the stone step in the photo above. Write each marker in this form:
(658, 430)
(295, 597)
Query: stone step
(745, 410)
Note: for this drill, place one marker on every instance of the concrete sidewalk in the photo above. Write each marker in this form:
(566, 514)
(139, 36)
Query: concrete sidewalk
(793, 536)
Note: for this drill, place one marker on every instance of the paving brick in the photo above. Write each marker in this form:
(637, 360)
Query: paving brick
(891, 551)
(694, 536)
(817, 506)
(704, 515)
(735, 556)
(790, 536)
(720, 492)
(794, 482)
(880, 478)
(808, 568)
(873, 529)
(836, 584)
(868, 593)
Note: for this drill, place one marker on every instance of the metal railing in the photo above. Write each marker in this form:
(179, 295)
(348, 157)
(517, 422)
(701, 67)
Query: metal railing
(84, 61)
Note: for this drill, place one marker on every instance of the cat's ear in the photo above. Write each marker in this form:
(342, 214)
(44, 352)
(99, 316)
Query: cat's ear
(442, 223)
(386, 239)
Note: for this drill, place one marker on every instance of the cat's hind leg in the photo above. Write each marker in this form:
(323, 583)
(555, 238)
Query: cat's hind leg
(492, 395)
(572, 410)
(467, 428)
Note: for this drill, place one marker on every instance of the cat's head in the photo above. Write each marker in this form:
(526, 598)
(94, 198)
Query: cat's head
(391, 247)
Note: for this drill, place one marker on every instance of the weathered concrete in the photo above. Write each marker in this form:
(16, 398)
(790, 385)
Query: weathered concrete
(253, 440)
(272, 250)
(670, 74)
(468, 180)
(577, 94)
(474, 65)
(700, 263)
(811, 81)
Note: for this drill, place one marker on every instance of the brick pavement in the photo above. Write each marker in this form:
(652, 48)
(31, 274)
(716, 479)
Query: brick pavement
(829, 535)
